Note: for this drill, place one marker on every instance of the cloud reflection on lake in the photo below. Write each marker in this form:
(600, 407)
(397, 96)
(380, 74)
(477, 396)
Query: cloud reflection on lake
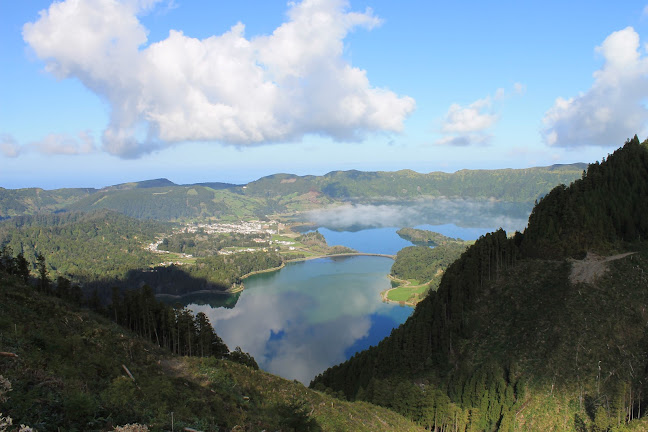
(303, 319)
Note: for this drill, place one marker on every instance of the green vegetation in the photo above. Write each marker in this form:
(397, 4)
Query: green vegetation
(516, 338)
(316, 243)
(218, 273)
(83, 246)
(523, 185)
(425, 237)
(18, 202)
(170, 203)
(423, 263)
(601, 211)
(74, 370)
(410, 293)
(418, 269)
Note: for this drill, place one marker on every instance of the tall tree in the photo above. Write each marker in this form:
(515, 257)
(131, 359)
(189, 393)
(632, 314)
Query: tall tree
(43, 279)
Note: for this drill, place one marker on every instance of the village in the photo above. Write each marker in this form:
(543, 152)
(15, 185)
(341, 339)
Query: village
(263, 229)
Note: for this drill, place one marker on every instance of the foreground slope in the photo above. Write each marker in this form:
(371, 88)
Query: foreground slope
(535, 331)
(70, 374)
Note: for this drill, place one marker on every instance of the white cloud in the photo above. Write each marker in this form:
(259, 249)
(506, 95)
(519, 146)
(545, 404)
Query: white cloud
(468, 125)
(52, 144)
(63, 144)
(224, 88)
(473, 118)
(8, 146)
(613, 109)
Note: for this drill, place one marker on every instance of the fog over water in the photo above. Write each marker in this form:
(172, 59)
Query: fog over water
(439, 211)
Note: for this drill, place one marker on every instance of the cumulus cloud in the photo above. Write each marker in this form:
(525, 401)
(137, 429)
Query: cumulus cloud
(475, 117)
(224, 88)
(466, 125)
(8, 146)
(613, 109)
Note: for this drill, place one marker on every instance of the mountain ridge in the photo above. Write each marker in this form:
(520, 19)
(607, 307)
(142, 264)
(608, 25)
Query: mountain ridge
(152, 199)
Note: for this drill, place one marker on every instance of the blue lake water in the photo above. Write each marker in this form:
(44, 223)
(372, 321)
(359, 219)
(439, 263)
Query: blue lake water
(386, 241)
(311, 315)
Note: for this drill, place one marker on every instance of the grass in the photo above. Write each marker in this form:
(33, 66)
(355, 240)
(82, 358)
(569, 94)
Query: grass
(400, 294)
(410, 291)
(267, 391)
(283, 237)
(407, 293)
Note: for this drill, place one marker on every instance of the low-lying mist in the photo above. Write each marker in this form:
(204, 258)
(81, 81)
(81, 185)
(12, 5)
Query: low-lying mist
(461, 212)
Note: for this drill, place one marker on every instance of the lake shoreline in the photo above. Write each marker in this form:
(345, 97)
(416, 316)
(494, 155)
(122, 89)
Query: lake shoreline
(350, 254)
(240, 287)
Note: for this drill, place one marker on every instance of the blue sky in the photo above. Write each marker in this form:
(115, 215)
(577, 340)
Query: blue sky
(99, 92)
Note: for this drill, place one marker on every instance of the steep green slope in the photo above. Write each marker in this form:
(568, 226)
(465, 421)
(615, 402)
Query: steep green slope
(517, 337)
(600, 211)
(70, 374)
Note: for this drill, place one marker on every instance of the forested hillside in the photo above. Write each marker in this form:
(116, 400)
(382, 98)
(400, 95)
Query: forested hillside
(216, 273)
(519, 338)
(171, 203)
(104, 249)
(514, 185)
(17, 202)
(423, 263)
(84, 246)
